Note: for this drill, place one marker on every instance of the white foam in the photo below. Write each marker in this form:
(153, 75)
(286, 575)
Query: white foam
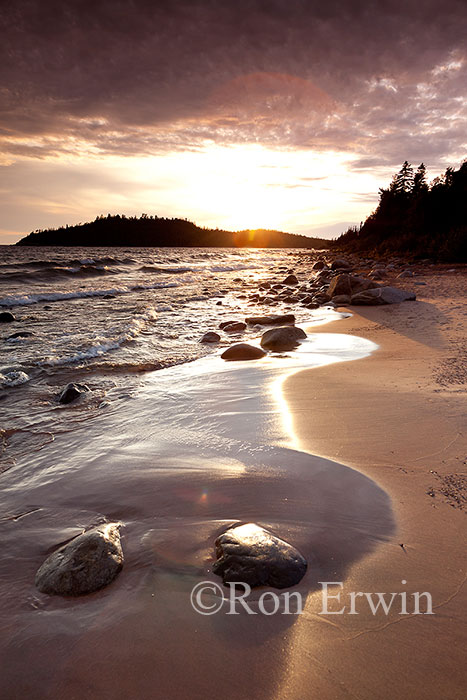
(101, 348)
(13, 378)
(28, 299)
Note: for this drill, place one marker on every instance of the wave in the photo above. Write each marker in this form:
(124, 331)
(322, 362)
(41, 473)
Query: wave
(133, 330)
(28, 299)
(51, 273)
(166, 270)
(73, 262)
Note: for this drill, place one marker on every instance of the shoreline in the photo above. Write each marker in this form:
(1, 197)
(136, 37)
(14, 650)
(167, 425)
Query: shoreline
(396, 416)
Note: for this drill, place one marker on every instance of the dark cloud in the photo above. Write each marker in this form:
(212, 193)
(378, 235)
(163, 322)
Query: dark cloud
(386, 80)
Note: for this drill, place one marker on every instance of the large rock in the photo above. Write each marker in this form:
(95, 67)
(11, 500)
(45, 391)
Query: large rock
(285, 338)
(349, 284)
(382, 295)
(290, 280)
(71, 392)
(273, 320)
(359, 284)
(340, 285)
(210, 337)
(86, 564)
(6, 317)
(250, 554)
(243, 351)
(319, 265)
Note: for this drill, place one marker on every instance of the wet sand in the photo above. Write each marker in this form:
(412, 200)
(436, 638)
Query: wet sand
(398, 416)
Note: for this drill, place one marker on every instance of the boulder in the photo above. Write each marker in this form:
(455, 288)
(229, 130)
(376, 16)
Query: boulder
(290, 280)
(243, 351)
(359, 284)
(319, 265)
(280, 339)
(273, 320)
(250, 554)
(86, 564)
(6, 317)
(339, 264)
(210, 337)
(340, 285)
(381, 295)
(71, 392)
(235, 327)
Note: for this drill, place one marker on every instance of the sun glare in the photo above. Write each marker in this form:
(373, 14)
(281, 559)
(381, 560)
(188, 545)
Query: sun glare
(245, 187)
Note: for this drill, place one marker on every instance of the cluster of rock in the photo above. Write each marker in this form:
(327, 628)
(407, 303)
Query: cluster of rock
(333, 282)
(245, 554)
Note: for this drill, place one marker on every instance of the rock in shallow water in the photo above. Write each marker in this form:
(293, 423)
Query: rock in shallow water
(235, 327)
(250, 554)
(243, 351)
(273, 320)
(86, 564)
(210, 337)
(6, 317)
(71, 392)
(280, 339)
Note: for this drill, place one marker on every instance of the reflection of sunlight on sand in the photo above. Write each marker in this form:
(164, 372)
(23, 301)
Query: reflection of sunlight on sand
(335, 347)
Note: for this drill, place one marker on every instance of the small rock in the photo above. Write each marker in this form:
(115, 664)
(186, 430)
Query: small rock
(280, 339)
(71, 392)
(250, 554)
(319, 265)
(290, 280)
(273, 320)
(86, 564)
(405, 273)
(235, 327)
(243, 351)
(6, 317)
(339, 263)
(210, 337)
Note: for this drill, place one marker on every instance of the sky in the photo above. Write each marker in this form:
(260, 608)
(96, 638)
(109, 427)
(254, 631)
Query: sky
(284, 114)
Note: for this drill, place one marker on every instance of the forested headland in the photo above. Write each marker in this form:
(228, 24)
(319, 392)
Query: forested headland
(132, 231)
(416, 218)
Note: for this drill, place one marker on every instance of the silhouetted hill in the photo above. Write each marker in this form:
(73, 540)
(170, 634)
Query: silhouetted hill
(158, 232)
(415, 218)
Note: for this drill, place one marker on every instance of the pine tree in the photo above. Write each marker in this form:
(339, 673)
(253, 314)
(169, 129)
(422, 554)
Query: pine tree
(419, 181)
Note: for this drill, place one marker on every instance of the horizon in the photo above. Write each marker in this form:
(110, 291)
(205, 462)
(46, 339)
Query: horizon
(234, 117)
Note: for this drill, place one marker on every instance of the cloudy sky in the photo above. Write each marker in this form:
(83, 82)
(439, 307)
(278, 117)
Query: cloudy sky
(286, 114)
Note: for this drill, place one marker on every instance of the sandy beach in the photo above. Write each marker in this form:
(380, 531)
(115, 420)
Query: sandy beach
(398, 416)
